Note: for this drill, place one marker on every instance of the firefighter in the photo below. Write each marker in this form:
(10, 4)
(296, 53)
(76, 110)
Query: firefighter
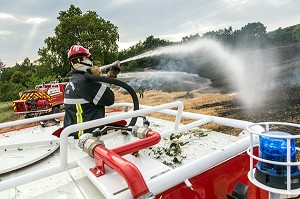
(85, 99)
(59, 79)
(141, 91)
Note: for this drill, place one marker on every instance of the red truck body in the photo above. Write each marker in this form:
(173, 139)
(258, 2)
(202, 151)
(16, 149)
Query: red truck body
(45, 98)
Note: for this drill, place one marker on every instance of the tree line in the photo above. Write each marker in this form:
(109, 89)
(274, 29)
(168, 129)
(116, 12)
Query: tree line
(100, 37)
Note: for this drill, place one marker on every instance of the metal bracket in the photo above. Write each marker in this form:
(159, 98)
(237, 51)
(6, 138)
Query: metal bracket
(99, 170)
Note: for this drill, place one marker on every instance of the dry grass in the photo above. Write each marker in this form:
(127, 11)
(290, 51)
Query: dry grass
(7, 112)
(191, 100)
(282, 105)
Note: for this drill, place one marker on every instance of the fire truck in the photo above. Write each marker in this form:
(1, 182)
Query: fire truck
(44, 99)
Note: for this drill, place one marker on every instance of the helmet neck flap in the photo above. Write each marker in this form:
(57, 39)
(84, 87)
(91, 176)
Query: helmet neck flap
(80, 58)
(82, 65)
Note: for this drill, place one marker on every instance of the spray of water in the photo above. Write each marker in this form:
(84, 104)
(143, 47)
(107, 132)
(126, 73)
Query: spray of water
(167, 81)
(246, 71)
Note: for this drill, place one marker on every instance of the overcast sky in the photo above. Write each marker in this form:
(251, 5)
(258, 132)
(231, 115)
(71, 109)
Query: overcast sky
(24, 24)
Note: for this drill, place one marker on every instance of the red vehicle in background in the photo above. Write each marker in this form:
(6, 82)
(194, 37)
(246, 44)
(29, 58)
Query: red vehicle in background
(44, 99)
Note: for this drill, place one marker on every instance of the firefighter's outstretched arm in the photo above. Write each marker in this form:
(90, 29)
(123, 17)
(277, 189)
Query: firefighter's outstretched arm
(114, 70)
(113, 67)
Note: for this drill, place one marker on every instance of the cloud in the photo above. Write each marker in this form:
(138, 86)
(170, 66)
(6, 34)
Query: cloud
(126, 45)
(174, 37)
(236, 2)
(4, 32)
(36, 20)
(138, 19)
(278, 2)
(4, 16)
(30, 20)
(122, 2)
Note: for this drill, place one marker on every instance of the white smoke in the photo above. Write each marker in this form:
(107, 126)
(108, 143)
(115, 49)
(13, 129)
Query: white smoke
(166, 81)
(248, 72)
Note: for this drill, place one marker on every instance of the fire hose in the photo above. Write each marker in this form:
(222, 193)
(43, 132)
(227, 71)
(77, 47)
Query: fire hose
(112, 157)
(124, 85)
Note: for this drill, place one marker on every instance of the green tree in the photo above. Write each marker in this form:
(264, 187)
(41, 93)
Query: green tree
(190, 38)
(21, 73)
(7, 73)
(152, 43)
(131, 51)
(44, 70)
(90, 30)
(25, 66)
(9, 91)
(226, 36)
(280, 37)
(2, 65)
(211, 35)
(17, 77)
(253, 35)
(296, 32)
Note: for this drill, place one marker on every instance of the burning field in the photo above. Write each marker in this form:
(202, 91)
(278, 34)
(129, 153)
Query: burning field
(256, 86)
(281, 105)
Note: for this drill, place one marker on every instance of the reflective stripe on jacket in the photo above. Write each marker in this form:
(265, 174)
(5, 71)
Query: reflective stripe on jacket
(85, 100)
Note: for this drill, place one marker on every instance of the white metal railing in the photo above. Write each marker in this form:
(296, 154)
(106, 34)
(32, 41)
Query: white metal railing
(73, 128)
(196, 116)
(288, 162)
(159, 183)
(64, 164)
(30, 120)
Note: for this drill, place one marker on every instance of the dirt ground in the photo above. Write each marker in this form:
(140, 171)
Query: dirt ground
(282, 105)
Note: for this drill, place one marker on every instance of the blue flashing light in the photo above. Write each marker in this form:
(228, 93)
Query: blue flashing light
(275, 149)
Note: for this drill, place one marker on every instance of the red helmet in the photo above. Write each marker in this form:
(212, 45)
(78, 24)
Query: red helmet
(77, 51)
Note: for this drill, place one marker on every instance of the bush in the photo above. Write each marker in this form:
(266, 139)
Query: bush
(10, 91)
(6, 111)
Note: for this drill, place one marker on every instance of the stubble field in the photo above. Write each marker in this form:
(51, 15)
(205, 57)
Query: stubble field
(281, 105)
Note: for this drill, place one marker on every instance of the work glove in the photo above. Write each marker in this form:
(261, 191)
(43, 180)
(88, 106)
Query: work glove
(114, 70)
(95, 70)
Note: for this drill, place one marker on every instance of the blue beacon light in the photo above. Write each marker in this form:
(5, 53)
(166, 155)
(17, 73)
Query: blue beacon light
(275, 149)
